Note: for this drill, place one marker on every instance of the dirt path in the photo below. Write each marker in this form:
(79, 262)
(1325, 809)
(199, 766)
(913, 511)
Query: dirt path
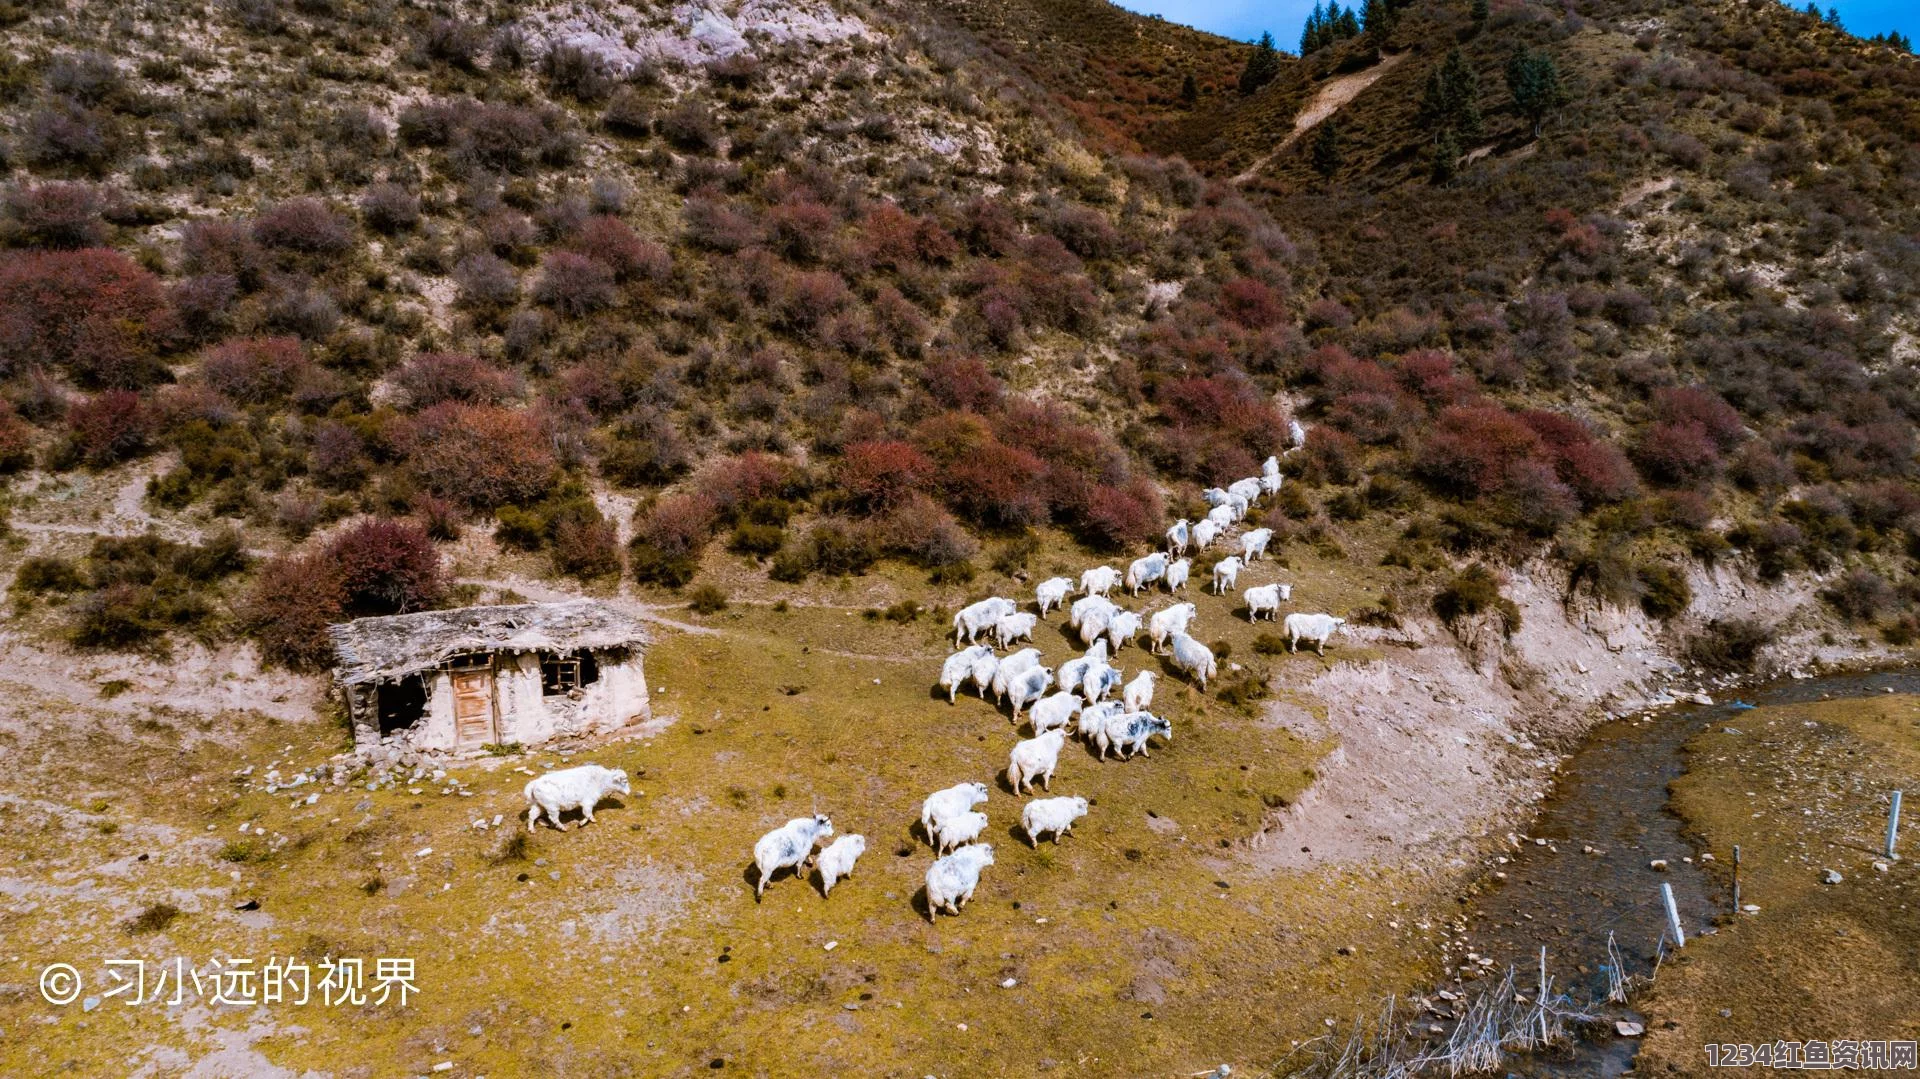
(1643, 190)
(1329, 100)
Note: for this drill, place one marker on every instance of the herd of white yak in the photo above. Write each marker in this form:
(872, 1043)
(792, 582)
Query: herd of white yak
(1079, 698)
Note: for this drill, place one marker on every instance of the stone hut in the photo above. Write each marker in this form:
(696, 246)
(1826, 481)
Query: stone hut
(465, 678)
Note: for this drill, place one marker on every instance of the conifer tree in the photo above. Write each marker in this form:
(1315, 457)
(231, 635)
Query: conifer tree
(1326, 158)
(1534, 82)
(1262, 67)
(1446, 157)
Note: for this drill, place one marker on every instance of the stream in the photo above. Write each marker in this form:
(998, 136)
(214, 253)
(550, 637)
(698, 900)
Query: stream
(1611, 796)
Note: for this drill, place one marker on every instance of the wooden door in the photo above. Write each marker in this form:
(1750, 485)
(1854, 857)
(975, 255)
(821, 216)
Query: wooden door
(473, 708)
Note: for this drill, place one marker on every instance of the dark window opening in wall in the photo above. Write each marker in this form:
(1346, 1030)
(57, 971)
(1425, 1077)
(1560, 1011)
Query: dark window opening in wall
(400, 704)
(567, 673)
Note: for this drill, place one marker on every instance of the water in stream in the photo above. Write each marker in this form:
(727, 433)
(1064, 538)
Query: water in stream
(1612, 796)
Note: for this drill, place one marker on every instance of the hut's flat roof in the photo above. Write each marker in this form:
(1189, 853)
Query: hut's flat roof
(390, 648)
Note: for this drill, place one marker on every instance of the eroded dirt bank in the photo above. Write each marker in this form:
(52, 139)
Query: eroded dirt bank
(1445, 739)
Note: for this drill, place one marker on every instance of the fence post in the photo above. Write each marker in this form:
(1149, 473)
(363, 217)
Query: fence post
(1893, 825)
(1673, 916)
(1736, 878)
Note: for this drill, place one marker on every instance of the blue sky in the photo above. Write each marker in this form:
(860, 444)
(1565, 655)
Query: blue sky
(1244, 19)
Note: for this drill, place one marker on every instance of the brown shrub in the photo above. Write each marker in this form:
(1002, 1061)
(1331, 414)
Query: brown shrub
(433, 377)
(574, 285)
(254, 370)
(305, 224)
(109, 427)
(92, 312)
(480, 456)
(293, 601)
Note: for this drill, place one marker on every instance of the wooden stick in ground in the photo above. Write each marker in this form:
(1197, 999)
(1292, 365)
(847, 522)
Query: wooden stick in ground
(1736, 878)
(1893, 826)
(1673, 916)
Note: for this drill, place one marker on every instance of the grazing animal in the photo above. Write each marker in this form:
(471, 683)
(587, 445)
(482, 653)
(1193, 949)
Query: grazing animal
(1123, 627)
(1177, 574)
(976, 617)
(1248, 488)
(1296, 434)
(1239, 505)
(1094, 626)
(951, 880)
(1015, 627)
(1204, 534)
(1138, 694)
(837, 860)
(579, 788)
(1270, 481)
(1035, 758)
(958, 830)
(1074, 670)
(1130, 733)
(1027, 687)
(1144, 571)
(1051, 815)
(1099, 580)
(959, 667)
(1226, 572)
(984, 668)
(1166, 623)
(1095, 716)
(1099, 680)
(1222, 516)
(788, 846)
(1087, 604)
(1253, 544)
(1266, 599)
(1270, 466)
(946, 803)
(1215, 496)
(1025, 659)
(1195, 659)
(1179, 536)
(1311, 627)
(1051, 593)
(1054, 710)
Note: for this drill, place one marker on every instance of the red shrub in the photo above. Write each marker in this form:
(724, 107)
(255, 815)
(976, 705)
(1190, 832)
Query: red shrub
(731, 482)
(612, 241)
(433, 377)
(574, 285)
(963, 382)
(1699, 405)
(889, 237)
(1677, 453)
(109, 427)
(906, 329)
(808, 299)
(677, 525)
(718, 226)
(998, 485)
(1471, 448)
(1329, 456)
(293, 601)
(1534, 498)
(60, 215)
(1117, 517)
(386, 567)
(217, 246)
(1430, 374)
(1231, 406)
(202, 303)
(1252, 303)
(1328, 314)
(585, 547)
(800, 228)
(304, 224)
(254, 370)
(93, 312)
(478, 455)
(1596, 471)
(880, 475)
